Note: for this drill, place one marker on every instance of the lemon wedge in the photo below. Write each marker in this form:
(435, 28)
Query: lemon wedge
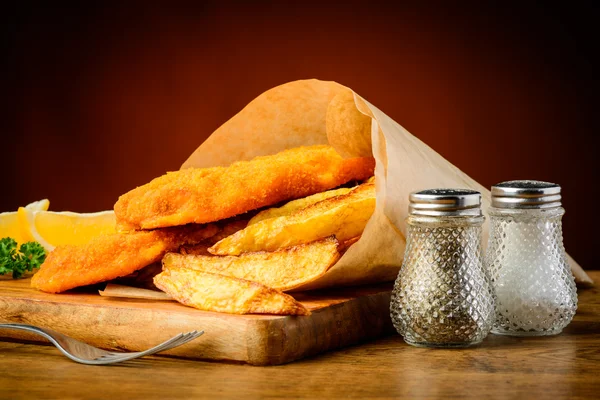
(9, 221)
(51, 228)
(40, 205)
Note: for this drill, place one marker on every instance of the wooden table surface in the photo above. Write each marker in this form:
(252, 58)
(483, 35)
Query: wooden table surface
(563, 366)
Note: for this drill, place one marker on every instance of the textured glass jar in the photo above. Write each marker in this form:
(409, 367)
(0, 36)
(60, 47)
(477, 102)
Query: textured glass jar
(535, 289)
(442, 296)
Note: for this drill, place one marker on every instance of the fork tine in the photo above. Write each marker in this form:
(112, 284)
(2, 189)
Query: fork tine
(127, 356)
(81, 352)
(185, 338)
(188, 337)
(158, 347)
(175, 341)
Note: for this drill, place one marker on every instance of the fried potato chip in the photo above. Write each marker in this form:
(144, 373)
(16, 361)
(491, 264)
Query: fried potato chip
(283, 269)
(344, 216)
(214, 292)
(297, 204)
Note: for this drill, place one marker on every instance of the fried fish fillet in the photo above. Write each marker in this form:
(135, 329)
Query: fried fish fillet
(202, 195)
(111, 256)
(215, 292)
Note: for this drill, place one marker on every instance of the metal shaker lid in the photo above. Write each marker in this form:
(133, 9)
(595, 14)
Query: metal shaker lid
(445, 202)
(526, 194)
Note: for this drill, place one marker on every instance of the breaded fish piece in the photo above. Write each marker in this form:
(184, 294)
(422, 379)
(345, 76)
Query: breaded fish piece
(111, 256)
(202, 195)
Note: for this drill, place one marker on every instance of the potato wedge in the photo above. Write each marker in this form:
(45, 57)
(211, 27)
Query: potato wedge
(344, 216)
(214, 292)
(283, 269)
(297, 204)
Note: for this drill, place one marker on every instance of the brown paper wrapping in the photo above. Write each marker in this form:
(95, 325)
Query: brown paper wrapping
(129, 292)
(312, 112)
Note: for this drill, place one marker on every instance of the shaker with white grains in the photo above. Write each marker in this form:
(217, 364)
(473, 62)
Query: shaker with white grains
(443, 296)
(535, 289)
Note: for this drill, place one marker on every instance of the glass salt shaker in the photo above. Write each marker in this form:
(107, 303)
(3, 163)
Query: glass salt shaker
(443, 296)
(535, 289)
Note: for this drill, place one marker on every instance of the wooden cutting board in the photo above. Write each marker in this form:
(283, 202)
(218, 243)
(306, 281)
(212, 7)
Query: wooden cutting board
(339, 318)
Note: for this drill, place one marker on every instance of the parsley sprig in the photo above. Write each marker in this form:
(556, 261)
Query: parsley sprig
(30, 255)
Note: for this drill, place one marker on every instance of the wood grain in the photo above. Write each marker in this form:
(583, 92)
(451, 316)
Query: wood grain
(566, 366)
(339, 318)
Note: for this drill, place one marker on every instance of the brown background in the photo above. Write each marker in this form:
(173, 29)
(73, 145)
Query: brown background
(102, 98)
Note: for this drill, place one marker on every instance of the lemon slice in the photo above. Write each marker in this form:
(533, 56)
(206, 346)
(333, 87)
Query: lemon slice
(9, 226)
(40, 205)
(51, 228)
(9, 221)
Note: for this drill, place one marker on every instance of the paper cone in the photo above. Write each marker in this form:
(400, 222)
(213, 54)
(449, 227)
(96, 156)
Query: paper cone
(312, 112)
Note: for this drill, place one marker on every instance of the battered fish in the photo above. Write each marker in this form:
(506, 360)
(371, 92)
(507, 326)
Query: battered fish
(201, 195)
(111, 256)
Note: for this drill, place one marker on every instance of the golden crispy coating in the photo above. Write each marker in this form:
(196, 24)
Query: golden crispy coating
(283, 269)
(214, 292)
(111, 256)
(202, 195)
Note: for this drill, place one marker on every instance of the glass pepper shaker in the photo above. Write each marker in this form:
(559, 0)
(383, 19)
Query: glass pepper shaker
(535, 289)
(443, 296)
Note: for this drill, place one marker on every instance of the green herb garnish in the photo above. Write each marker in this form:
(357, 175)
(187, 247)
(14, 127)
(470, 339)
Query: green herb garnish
(30, 255)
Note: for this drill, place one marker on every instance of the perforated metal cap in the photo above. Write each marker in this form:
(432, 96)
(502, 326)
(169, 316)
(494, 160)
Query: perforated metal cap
(445, 202)
(526, 194)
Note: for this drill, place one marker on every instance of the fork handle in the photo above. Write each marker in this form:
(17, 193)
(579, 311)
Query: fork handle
(29, 328)
(39, 331)
(65, 344)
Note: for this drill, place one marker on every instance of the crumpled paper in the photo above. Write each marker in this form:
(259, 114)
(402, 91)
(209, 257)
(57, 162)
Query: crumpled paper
(310, 112)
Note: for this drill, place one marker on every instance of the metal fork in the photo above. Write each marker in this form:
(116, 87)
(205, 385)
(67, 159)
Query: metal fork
(86, 354)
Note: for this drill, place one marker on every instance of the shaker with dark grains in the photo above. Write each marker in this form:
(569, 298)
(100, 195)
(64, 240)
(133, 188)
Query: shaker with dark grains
(443, 296)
